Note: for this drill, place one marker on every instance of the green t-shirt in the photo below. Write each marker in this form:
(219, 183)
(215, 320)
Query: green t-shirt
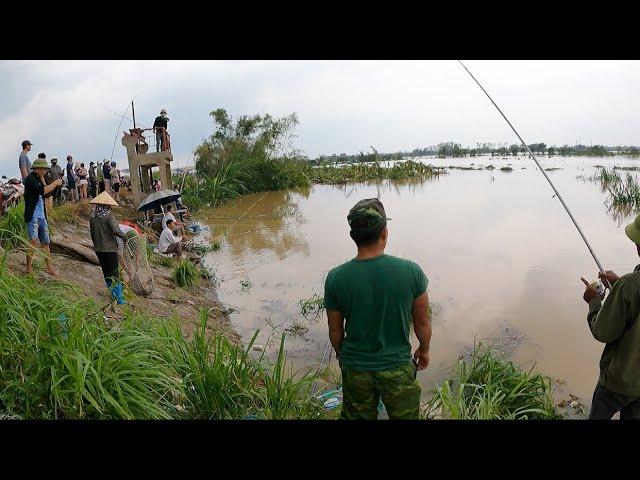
(376, 298)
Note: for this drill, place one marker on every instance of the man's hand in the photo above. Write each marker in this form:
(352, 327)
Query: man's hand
(58, 182)
(590, 292)
(421, 355)
(608, 276)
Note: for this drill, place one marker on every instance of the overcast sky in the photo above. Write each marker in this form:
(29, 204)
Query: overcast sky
(63, 107)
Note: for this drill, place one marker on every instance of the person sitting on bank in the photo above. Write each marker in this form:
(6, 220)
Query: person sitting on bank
(168, 243)
(374, 299)
(35, 211)
(178, 226)
(615, 323)
(104, 230)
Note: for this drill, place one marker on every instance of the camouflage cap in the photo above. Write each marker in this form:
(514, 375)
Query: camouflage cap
(367, 215)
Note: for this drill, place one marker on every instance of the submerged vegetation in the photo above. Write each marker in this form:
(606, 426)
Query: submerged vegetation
(490, 387)
(623, 191)
(312, 307)
(60, 359)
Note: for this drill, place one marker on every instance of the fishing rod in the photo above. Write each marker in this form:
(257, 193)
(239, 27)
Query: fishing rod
(543, 172)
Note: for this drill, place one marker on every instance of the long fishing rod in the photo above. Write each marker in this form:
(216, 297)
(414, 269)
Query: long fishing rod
(542, 170)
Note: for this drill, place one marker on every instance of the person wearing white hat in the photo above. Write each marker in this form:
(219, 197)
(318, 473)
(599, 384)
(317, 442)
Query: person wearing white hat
(160, 127)
(104, 230)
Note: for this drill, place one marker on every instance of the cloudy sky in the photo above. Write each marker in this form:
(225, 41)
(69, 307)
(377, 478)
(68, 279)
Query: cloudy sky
(66, 107)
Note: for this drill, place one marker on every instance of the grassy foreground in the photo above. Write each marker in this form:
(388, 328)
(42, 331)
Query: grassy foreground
(59, 359)
(490, 387)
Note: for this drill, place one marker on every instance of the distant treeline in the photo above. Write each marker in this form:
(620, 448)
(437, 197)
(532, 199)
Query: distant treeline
(452, 149)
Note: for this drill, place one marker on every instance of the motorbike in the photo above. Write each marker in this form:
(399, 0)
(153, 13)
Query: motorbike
(10, 192)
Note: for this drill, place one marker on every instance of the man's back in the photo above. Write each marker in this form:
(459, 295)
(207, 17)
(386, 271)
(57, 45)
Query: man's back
(376, 297)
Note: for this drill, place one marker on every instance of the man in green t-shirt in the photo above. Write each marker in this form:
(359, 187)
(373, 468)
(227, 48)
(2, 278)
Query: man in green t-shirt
(371, 302)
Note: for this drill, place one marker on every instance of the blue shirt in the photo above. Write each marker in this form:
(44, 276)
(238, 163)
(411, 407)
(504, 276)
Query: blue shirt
(26, 163)
(39, 211)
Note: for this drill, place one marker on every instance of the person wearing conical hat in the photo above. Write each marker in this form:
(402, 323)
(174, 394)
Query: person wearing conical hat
(104, 230)
(160, 127)
(616, 323)
(35, 210)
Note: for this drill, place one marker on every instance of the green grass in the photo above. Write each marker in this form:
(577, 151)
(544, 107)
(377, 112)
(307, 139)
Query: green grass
(60, 359)
(490, 387)
(162, 260)
(311, 308)
(185, 274)
(364, 172)
(13, 230)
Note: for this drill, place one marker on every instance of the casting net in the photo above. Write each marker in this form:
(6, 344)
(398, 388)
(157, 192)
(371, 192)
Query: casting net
(136, 264)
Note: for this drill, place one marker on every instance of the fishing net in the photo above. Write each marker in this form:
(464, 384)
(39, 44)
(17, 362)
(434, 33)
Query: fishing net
(136, 264)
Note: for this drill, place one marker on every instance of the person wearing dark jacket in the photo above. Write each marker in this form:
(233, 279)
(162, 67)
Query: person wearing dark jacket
(35, 211)
(160, 127)
(92, 180)
(56, 172)
(616, 324)
(104, 230)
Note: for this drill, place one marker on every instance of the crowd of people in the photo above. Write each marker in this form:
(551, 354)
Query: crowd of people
(81, 183)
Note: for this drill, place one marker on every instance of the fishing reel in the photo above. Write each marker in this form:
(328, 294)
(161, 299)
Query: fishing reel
(599, 287)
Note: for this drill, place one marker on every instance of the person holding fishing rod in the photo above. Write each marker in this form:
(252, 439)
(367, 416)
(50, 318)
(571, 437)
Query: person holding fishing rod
(615, 323)
(371, 302)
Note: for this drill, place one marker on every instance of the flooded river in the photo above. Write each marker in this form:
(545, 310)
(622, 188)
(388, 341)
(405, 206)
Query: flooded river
(502, 257)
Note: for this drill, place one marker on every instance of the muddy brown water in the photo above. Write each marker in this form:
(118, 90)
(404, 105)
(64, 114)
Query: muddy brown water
(502, 257)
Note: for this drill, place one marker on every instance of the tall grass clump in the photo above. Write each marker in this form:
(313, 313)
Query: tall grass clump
(490, 387)
(185, 274)
(13, 230)
(60, 359)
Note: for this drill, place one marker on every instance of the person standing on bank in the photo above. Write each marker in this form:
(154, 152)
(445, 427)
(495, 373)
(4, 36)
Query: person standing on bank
(160, 127)
(92, 180)
(35, 211)
(106, 174)
(615, 323)
(371, 302)
(23, 162)
(104, 230)
(56, 173)
(71, 179)
(100, 177)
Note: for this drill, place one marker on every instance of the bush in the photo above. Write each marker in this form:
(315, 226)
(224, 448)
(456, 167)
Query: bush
(185, 274)
(492, 388)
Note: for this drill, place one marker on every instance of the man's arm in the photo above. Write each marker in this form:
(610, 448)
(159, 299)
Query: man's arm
(607, 320)
(49, 188)
(336, 330)
(115, 228)
(422, 327)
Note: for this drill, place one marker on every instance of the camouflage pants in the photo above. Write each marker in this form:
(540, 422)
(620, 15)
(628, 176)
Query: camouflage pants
(398, 388)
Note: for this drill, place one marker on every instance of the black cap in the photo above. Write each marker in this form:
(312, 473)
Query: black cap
(42, 155)
(69, 157)
(25, 143)
(91, 163)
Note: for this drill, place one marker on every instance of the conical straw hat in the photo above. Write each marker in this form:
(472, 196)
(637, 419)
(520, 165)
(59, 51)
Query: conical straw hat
(104, 199)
